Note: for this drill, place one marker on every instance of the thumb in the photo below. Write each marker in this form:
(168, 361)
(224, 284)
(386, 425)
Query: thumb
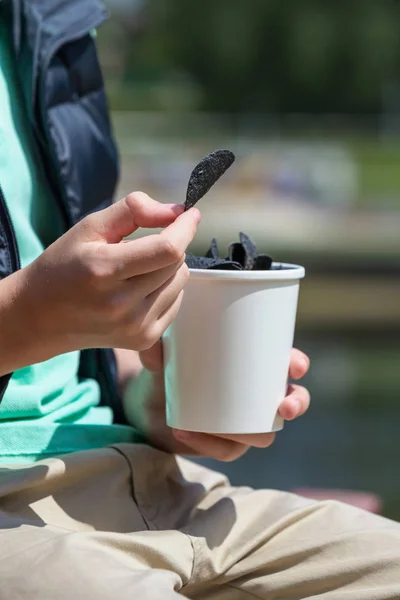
(127, 215)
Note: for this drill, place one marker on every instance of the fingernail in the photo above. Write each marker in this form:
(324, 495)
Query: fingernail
(179, 208)
(196, 215)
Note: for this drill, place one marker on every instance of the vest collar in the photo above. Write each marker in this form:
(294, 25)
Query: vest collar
(47, 24)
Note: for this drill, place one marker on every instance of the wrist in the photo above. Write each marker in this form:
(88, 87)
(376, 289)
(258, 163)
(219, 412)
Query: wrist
(23, 342)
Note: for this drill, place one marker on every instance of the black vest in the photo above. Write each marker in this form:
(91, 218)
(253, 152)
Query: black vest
(67, 106)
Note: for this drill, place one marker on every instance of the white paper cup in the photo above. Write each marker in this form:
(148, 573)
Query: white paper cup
(227, 352)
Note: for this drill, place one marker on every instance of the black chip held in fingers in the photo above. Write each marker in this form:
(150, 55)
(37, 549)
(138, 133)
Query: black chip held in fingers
(206, 173)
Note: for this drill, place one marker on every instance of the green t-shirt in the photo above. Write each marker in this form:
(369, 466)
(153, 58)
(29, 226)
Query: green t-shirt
(46, 409)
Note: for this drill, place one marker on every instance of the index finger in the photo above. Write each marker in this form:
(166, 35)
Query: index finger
(180, 234)
(153, 252)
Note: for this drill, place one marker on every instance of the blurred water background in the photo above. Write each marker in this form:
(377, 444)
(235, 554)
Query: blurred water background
(307, 94)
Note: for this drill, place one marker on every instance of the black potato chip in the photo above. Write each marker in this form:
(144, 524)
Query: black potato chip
(206, 173)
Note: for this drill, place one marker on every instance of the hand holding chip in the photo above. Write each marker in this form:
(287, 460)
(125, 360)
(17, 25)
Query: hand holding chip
(149, 414)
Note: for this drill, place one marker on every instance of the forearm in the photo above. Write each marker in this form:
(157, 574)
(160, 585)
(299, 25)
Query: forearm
(21, 343)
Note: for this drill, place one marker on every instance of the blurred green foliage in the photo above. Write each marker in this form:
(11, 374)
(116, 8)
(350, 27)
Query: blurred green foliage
(262, 62)
(310, 56)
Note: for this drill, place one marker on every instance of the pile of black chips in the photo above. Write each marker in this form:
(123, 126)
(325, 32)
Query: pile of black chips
(242, 256)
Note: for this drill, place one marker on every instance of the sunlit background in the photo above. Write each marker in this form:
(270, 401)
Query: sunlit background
(307, 95)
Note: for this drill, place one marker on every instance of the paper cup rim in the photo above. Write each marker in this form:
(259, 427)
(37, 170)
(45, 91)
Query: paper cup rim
(289, 272)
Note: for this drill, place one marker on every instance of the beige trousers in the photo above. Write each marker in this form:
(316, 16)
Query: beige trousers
(132, 523)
